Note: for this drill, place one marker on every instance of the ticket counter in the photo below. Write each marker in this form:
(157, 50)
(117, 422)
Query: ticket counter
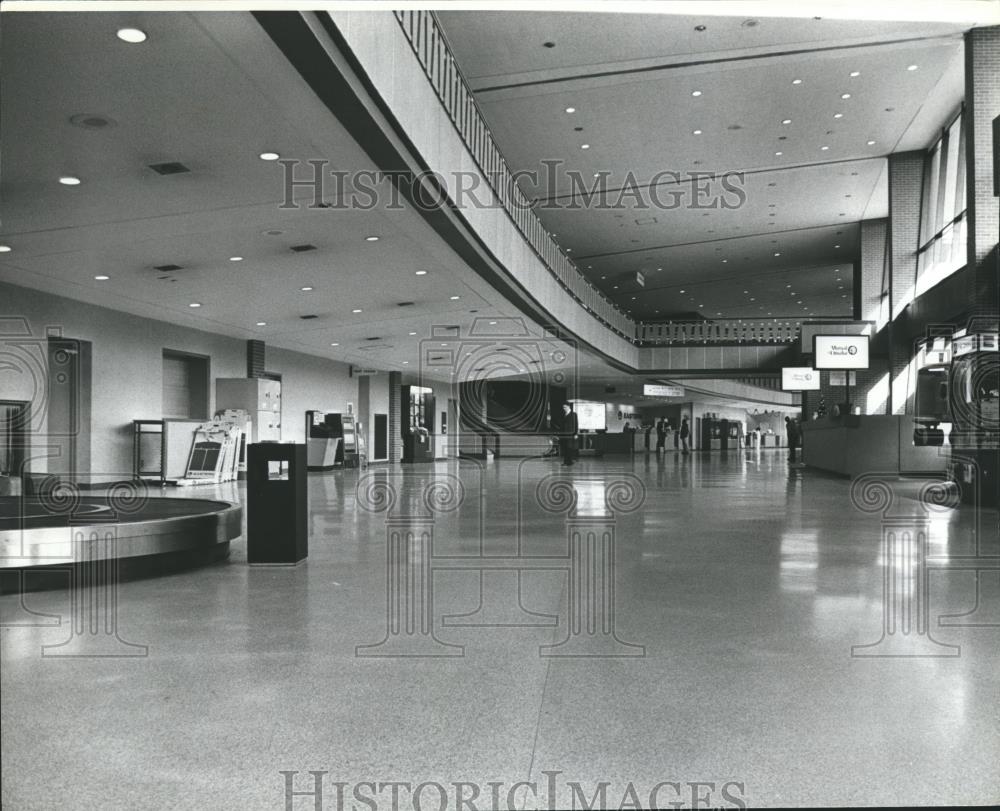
(856, 444)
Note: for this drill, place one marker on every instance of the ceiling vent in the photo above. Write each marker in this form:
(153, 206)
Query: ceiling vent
(171, 168)
(92, 121)
(303, 248)
(404, 304)
(308, 317)
(376, 338)
(167, 268)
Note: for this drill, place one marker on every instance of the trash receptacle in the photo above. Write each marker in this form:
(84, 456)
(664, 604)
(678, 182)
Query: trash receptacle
(277, 530)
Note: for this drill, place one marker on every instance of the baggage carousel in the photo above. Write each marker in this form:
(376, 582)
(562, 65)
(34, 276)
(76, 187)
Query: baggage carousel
(144, 536)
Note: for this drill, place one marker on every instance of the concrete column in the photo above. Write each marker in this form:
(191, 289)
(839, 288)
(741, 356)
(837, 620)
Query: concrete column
(982, 105)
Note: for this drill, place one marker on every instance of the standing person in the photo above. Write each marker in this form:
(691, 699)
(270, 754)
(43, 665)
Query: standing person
(685, 433)
(661, 436)
(792, 436)
(567, 440)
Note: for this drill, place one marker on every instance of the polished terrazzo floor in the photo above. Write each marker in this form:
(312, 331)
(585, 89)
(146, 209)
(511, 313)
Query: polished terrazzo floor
(747, 583)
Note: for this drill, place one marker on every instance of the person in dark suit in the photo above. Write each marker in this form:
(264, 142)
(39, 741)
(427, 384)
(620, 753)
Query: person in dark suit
(567, 440)
(661, 435)
(685, 433)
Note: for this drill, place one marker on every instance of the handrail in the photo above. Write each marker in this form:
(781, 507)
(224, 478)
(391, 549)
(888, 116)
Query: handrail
(725, 331)
(430, 47)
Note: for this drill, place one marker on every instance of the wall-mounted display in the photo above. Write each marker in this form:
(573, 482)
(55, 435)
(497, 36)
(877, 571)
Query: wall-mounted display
(840, 352)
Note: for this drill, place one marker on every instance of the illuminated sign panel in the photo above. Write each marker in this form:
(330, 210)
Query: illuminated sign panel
(840, 352)
(658, 390)
(799, 378)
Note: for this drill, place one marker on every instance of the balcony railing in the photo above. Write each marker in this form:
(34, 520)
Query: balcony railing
(728, 331)
(432, 51)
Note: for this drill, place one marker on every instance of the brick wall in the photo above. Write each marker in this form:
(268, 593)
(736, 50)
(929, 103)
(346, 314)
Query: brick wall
(905, 181)
(395, 414)
(256, 358)
(982, 99)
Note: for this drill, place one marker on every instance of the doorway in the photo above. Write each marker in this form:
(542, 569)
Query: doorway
(15, 417)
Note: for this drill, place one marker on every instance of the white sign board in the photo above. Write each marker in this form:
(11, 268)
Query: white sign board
(799, 378)
(590, 416)
(840, 351)
(659, 390)
(841, 378)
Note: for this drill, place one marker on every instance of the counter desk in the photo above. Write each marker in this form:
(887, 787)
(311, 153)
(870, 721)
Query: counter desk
(855, 444)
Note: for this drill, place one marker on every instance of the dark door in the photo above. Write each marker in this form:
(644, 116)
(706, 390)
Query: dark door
(380, 448)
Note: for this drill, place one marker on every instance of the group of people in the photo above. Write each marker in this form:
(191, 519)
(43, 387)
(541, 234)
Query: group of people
(683, 433)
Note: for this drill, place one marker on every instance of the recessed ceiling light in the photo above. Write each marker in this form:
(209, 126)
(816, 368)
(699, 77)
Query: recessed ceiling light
(696, 132)
(787, 121)
(454, 298)
(262, 323)
(5, 248)
(695, 93)
(269, 156)
(838, 269)
(102, 278)
(838, 115)
(855, 73)
(412, 333)
(571, 109)
(723, 262)
(420, 273)
(778, 154)
(845, 95)
(131, 35)
(777, 254)
(194, 304)
(405, 362)
(824, 148)
(796, 81)
(69, 180)
(235, 258)
(356, 310)
(913, 67)
(371, 238)
(584, 146)
(305, 289)
(682, 291)
(871, 143)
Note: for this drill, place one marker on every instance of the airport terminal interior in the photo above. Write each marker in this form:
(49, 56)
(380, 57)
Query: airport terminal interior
(484, 408)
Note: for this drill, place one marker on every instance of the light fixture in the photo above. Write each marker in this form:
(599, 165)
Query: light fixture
(778, 154)
(787, 121)
(682, 291)
(269, 156)
(824, 148)
(420, 273)
(102, 278)
(454, 298)
(838, 269)
(696, 132)
(871, 143)
(5, 248)
(796, 81)
(405, 362)
(412, 333)
(194, 304)
(695, 93)
(356, 310)
(305, 289)
(131, 35)
(777, 254)
(69, 180)
(334, 344)
(845, 95)
(855, 73)
(235, 258)
(262, 323)
(912, 67)
(571, 109)
(371, 238)
(584, 146)
(838, 115)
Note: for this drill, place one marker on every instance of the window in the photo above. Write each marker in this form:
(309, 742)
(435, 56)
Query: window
(942, 212)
